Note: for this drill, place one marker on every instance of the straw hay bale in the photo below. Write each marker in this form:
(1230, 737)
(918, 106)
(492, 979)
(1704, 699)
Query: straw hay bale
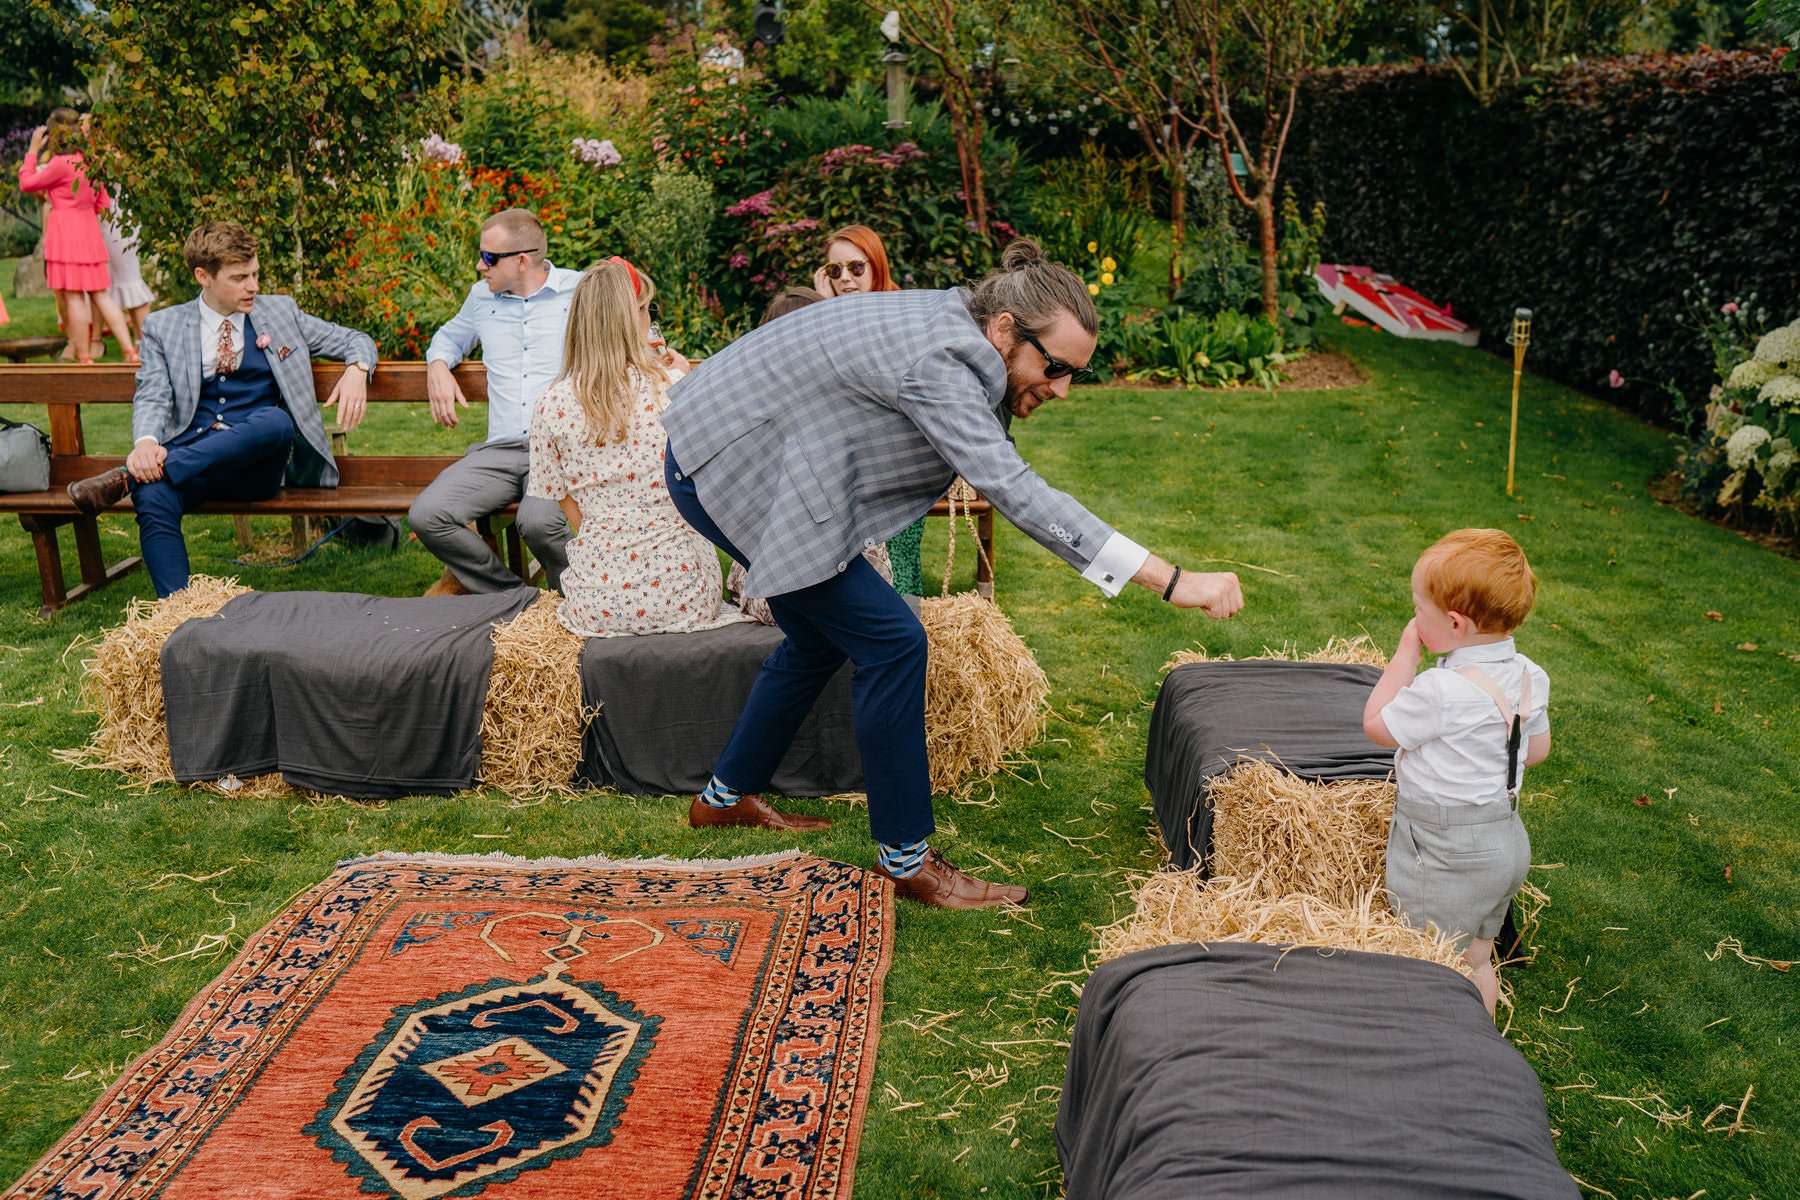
(1360, 649)
(1179, 908)
(532, 719)
(122, 681)
(986, 698)
(1286, 835)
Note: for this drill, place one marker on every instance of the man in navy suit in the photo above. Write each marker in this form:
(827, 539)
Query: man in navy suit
(225, 407)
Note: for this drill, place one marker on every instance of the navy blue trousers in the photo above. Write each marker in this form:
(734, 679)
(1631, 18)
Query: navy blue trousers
(854, 615)
(244, 462)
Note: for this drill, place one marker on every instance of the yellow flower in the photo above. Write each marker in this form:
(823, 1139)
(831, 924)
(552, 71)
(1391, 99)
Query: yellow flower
(1107, 264)
(1203, 360)
(1106, 277)
(1093, 289)
(1093, 246)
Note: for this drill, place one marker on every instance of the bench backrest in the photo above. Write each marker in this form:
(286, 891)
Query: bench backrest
(64, 388)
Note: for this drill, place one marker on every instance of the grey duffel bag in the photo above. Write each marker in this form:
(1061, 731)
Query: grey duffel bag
(24, 458)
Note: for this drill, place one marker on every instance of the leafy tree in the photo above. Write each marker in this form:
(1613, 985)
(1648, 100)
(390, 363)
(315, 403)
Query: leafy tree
(618, 31)
(1129, 56)
(40, 48)
(275, 115)
(962, 38)
(1779, 21)
(1256, 53)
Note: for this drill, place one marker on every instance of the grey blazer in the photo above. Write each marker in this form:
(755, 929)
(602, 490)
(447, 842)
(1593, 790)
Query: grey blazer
(836, 426)
(168, 382)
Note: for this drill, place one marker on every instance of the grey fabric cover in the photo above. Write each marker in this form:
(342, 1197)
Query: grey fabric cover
(1233, 1071)
(669, 701)
(361, 696)
(1211, 716)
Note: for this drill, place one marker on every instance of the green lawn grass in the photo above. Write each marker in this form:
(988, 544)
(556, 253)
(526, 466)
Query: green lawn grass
(1664, 821)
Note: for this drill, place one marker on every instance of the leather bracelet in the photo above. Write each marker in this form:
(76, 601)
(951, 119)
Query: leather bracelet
(1173, 579)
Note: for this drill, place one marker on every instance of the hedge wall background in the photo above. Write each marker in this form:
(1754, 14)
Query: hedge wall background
(1596, 196)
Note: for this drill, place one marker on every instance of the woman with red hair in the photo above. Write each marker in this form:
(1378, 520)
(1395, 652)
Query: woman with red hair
(855, 261)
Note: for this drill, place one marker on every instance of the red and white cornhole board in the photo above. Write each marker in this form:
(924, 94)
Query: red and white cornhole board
(1390, 304)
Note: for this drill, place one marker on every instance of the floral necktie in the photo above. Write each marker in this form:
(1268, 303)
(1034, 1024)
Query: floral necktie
(228, 359)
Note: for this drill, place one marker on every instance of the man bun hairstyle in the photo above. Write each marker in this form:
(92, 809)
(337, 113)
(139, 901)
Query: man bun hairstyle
(218, 244)
(1034, 290)
(1482, 574)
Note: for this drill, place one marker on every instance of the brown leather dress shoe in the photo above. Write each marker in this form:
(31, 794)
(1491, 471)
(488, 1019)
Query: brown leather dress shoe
(943, 886)
(751, 810)
(97, 493)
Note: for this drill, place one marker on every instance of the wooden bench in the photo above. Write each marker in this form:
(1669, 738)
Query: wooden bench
(368, 484)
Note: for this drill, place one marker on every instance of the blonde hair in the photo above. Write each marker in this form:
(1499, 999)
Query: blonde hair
(603, 346)
(1482, 574)
(63, 133)
(218, 244)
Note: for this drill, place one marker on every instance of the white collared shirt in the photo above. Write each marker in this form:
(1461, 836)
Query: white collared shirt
(1451, 731)
(521, 341)
(209, 337)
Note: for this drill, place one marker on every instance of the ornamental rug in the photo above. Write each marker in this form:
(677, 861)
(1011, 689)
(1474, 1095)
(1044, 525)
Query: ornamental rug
(426, 1026)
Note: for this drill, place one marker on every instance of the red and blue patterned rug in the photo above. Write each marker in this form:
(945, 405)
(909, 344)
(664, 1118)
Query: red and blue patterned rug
(424, 1026)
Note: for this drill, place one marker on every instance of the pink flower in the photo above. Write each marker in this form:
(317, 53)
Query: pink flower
(262, 341)
(1729, 308)
(1615, 379)
(739, 261)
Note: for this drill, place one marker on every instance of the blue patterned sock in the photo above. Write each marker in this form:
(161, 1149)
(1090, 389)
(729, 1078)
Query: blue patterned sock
(717, 795)
(902, 860)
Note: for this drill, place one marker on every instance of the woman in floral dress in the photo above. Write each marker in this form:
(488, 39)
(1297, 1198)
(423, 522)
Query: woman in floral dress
(596, 448)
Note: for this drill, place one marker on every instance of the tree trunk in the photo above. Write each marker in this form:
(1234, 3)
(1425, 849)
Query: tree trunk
(965, 130)
(1178, 224)
(1265, 229)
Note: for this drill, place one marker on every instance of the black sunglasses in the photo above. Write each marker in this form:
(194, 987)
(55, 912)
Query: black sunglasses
(836, 270)
(1056, 368)
(655, 311)
(491, 258)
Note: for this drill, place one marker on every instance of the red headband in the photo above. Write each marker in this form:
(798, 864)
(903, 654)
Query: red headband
(637, 288)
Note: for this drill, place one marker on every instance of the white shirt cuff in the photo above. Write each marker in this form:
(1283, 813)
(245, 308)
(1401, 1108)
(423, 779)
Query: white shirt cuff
(1117, 562)
(148, 437)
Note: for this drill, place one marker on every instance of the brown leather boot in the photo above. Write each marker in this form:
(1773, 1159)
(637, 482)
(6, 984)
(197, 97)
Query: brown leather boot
(751, 810)
(941, 885)
(447, 584)
(97, 493)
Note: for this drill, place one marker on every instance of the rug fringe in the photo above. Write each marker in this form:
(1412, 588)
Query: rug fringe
(502, 859)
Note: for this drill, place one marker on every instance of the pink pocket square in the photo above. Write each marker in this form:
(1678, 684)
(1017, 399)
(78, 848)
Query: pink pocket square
(281, 354)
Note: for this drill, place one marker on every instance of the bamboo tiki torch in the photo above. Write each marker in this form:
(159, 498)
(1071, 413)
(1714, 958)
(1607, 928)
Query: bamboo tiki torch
(1519, 338)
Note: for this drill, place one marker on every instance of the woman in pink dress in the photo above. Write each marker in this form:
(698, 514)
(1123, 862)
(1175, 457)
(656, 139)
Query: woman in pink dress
(74, 250)
(597, 448)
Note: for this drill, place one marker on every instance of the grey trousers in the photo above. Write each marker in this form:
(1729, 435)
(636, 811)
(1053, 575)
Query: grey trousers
(490, 476)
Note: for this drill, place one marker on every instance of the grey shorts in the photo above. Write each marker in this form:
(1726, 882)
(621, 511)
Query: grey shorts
(1457, 867)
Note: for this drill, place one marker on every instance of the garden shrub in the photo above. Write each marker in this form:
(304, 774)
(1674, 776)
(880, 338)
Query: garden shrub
(1743, 462)
(1592, 195)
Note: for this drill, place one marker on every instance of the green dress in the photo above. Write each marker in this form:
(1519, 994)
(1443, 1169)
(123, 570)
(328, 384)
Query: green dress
(903, 551)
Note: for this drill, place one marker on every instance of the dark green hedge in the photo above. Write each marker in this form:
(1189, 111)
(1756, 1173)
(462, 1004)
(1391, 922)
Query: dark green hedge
(1596, 196)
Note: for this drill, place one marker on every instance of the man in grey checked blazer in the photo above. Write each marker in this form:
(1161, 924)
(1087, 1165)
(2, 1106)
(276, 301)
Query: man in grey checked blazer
(225, 406)
(828, 431)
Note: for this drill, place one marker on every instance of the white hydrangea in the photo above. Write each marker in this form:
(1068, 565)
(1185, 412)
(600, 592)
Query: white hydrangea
(1782, 391)
(1781, 460)
(1740, 449)
(1780, 346)
(1751, 373)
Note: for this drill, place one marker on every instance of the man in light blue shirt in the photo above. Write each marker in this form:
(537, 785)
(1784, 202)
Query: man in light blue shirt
(517, 312)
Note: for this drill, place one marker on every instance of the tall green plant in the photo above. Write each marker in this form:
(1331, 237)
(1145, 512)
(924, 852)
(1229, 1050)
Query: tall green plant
(267, 114)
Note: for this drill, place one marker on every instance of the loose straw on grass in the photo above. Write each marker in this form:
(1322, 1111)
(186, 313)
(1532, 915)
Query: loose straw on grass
(122, 681)
(532, 720)
(1285, 835)
(986, 698)
(1360, 649)
(1180, 908)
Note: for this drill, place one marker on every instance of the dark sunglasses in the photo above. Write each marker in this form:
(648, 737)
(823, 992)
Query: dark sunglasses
(655, 311)
(491, 258)
(1056, 368)
(836, 270)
